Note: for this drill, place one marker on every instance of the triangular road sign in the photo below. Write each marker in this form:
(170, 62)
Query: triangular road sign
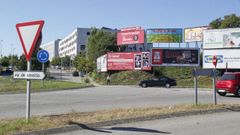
(29, 33)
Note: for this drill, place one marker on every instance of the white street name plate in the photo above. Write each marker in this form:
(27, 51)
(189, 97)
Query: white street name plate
(32, 75)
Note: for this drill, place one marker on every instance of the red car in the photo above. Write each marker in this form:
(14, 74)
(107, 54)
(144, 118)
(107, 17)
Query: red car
(229, 83)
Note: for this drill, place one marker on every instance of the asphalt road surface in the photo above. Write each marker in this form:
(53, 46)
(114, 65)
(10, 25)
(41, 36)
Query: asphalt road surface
(100, 98)
(226, 123)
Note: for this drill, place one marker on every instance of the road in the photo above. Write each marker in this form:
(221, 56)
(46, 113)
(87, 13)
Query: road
(100, 98)
(226, 123)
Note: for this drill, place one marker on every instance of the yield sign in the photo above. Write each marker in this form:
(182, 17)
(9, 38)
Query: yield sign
(29, 33)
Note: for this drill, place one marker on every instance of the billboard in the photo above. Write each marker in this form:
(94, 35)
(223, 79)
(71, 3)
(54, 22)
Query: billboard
(221, 38)
(175, 57)
(194, 34)
(128, 61)
(164, 35)
(130, 37)
(102, 63)
(229, 58)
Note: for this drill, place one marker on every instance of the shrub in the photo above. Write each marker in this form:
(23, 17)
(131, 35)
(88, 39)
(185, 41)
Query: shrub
(75, 73)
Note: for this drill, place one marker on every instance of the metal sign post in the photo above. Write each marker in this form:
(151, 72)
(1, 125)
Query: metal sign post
(43, 57)
(195, 86)
(214, 60)
(28, 93)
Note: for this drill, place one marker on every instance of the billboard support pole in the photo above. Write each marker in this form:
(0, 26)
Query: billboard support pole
(195, 86)
(28, 93)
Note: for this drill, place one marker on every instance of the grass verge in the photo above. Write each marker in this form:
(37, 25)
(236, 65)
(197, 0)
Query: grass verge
(45, 122)
(7, 84)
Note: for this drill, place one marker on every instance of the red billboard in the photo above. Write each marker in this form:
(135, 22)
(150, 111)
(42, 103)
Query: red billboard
(157, 56)
(128, 61)
(130, 37)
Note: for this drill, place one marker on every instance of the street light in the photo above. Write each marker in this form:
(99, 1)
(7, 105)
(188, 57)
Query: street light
(1, 51)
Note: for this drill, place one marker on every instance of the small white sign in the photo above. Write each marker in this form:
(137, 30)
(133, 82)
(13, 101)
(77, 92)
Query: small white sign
(28, 75)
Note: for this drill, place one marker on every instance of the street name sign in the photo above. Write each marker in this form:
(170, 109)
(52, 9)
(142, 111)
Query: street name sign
(31, 75)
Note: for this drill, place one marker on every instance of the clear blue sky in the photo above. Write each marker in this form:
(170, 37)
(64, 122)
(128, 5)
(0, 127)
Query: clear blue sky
(63, 16)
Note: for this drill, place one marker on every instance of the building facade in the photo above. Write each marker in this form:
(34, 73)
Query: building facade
(52, 48)
(74, 43)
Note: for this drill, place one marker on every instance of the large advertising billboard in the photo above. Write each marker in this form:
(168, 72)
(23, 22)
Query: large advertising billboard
(128, 61)
(164, 35)
(175, 57)
(194, 34)
(227, 58)
(102, 63)
(130, 37)
(221, 38)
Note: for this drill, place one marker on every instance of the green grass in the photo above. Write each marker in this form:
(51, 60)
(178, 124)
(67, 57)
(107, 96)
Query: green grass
(7, 84)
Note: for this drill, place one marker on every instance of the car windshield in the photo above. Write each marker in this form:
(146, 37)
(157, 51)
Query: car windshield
(228, 77)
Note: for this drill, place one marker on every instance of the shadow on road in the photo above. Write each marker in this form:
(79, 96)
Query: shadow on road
(83, 126)
(127, 129)
(134, 129)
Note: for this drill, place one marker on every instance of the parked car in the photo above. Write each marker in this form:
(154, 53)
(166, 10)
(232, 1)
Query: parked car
(229, 83)
(162, 81)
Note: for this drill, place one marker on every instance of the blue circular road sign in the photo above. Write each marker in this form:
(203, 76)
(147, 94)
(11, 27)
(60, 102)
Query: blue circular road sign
(43, 56)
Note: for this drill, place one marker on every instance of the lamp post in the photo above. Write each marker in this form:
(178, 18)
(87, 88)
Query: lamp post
(1, 51)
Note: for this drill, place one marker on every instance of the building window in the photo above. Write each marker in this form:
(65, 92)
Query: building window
(88, 33)
(82, 47)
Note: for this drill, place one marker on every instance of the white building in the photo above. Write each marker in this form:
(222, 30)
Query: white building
(74, 42)
(52, 48)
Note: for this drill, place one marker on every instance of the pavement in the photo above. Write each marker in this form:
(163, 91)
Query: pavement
(102, 98)
(224, 123)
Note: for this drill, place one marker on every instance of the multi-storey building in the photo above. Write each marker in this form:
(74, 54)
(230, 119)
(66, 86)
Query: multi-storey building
(52, 48)
(74, 42)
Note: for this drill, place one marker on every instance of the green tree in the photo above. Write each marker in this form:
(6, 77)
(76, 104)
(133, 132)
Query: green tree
(99, 43)
(80, 62)
(56, 61)
(66, 61)
(13, 60)
(5, 61)
(229, 21)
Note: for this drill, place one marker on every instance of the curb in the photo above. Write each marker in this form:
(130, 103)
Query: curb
(79, 126)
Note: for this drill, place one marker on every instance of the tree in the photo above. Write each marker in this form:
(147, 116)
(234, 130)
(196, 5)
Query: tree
(56, 61)
(66, 61)
(99, 43)
(80, 62)
(13, 60)
(5, 61)
(229, 21)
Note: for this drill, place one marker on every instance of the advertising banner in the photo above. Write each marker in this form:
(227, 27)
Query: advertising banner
(194, 34)
(221, 38)
(130, 37)
(128, 61)
(226, 58)
(102, 63)
(164, 35)
(131, 28)
(175, 57)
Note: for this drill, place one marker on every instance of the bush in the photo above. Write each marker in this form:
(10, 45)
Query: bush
(87, 80)
(75, 73)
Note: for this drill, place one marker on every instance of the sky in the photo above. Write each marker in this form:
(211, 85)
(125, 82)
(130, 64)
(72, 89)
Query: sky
(63, 16)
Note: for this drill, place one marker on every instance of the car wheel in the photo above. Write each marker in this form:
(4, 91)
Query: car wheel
(167, 85)
(222, 93)
(144, 85)
(237, 92)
